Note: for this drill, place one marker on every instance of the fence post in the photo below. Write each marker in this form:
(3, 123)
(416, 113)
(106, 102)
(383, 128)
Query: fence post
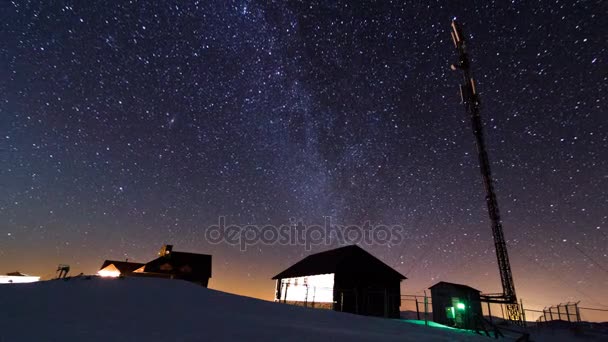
(523, 312)
(544, 316)
(551, 312)
(356, 301)
(578, 313)
(417, 310)
(567, 312)
(385, 303)
(426, 309)
(559, 313)
(489, 312)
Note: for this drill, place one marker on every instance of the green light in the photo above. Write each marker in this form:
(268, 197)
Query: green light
(460, 306)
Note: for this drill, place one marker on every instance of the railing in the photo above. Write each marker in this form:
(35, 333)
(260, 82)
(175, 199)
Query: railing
(568, 312)
(571, 312)
(414, 307)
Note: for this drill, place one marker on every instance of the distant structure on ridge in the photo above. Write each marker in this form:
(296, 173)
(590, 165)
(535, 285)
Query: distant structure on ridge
(192, 267)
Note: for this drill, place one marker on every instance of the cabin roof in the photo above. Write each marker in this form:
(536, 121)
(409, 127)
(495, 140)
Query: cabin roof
(193, 264)
(347, 259)
(445, 284)
(122, 266)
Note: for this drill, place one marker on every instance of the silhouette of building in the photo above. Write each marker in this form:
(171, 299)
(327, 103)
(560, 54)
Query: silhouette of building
(456, 305)
(113, 268)
(192, 267)
(346, 279)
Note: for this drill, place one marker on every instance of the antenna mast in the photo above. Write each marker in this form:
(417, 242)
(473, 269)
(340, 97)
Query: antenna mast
(470, 99)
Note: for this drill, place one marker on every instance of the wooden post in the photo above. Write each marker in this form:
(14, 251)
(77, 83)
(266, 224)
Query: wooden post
(567, 312)
(559, 313)
(385, 303)
(489, 312)
(426, 309)
(578, 312)
(523, 312)
(356, 301)
(417, 310)
(286, 288)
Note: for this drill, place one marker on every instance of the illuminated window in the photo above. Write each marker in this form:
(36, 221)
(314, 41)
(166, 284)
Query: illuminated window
(109, 271)
(316, 288)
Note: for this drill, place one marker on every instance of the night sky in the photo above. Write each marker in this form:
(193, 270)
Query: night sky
(125, 125)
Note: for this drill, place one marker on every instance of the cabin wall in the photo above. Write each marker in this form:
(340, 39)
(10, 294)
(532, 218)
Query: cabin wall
(368, 294)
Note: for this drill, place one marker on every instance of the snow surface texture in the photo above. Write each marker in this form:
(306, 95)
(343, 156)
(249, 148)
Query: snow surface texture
(140, 309)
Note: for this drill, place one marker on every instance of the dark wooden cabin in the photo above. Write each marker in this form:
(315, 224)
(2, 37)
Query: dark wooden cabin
(456, 305)
(192, 267)
(346, 279)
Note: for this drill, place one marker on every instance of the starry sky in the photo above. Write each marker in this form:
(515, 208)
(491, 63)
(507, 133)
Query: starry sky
(125, 125)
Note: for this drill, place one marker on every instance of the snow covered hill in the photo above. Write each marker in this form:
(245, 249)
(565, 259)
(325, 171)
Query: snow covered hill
(145, 309)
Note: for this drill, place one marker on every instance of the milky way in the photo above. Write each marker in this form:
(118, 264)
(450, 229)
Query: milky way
(126, 125)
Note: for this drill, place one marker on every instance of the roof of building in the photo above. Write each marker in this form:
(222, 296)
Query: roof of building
(349, 259)
(122, 266)
(459, 286)
(181, 263)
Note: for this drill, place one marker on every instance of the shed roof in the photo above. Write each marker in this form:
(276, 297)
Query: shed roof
(458, 286)
(348, 259)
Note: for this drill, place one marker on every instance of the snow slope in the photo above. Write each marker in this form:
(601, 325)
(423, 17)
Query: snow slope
(146, 309)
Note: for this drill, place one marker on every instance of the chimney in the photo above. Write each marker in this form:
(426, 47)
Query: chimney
(165, 250)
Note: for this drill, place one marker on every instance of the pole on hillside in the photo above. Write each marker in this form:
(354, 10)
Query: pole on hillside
(426, 309)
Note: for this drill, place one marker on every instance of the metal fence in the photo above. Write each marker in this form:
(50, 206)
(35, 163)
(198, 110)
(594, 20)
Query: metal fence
(568, 312)
(417, 307)
(571, 312)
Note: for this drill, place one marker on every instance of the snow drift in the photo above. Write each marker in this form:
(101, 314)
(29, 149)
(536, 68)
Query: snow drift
(145, 309)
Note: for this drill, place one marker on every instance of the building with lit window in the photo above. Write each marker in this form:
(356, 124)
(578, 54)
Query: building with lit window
(456, 305)
(192, 267)
(346, 279)
(18, 278)
(114, 268)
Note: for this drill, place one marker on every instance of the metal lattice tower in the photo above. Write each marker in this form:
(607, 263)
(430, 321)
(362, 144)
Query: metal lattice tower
(470, 99)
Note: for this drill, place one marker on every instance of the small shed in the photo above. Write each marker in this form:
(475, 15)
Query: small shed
(346, 279)
(456, 305)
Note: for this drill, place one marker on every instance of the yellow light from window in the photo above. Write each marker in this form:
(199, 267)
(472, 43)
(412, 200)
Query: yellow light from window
(106, 273)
